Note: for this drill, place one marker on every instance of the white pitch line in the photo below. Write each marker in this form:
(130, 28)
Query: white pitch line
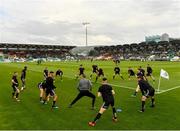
(126, 87)
(176, 87)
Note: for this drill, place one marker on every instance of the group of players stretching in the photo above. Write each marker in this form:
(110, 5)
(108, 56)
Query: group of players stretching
(47, 88)
(106, 91)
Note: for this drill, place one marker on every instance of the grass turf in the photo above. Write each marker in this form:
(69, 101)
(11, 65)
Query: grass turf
(30, 114)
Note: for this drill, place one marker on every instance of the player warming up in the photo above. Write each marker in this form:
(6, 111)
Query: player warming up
(84, 87)
(15, 84)
(140, 73)
(149, 72)
(147, 91)
(106, 91)
(100, 73)
(45, 73)
(81, 71)
(50, 89)
(94, 70)
(59, 73)
(117, 72)
(42, 86)
(23, 78)
(130, 72)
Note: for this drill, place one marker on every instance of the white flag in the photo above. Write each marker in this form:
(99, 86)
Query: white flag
(164, 74)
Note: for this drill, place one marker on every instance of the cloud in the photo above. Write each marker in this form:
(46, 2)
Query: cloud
(111, 21)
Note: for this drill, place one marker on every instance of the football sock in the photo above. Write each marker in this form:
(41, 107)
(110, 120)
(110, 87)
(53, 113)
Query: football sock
(122, 78)
(17, 94)
(54, 102)
(143, 105)
(114, 112)
(96, 79)
(97, 117)
(13, 94)
(152, 101)
(113, 76)
(135, 93)
(44, 101)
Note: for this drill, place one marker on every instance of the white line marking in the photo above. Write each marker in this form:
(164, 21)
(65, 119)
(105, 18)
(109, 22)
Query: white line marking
(126, 87)
(176, 87)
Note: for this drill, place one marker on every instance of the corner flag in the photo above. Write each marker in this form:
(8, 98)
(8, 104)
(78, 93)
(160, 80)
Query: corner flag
(164, 74)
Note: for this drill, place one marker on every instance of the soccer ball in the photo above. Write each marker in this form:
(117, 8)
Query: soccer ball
(119, 110)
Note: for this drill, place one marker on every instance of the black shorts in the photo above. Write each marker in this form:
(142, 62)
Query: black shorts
(132, 74)
(23, 80)
(100, 74)
(117, 73)
(150, 93)
(117, 61)
(86, 93)
(107, 103)
(148, 74)
(59, 74)
(50, 92)
(94, 71)
(15, 88)
(81, 73)
(41, 86)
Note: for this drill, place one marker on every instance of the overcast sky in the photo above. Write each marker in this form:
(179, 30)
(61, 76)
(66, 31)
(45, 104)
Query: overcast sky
(111, 21)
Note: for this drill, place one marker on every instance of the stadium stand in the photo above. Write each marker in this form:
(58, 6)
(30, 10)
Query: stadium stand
(34, 51)
(162, 50)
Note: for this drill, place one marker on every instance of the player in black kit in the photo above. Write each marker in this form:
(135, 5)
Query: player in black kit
(15, 84)
(45, 73)
(59, 73)
(117, 72)
(42, 87)
(81, 71)
(99, 74)
(149, 72)
(141, 72)
(130, 72)
(106, 91)
(147, 91)
(94, 70)
(50, 89)
(23, 78)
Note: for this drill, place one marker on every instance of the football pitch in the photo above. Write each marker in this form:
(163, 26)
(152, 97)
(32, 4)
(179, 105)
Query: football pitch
(29, 113)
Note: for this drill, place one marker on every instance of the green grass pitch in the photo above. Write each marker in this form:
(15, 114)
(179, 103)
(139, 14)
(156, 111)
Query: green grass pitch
(30, 114)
